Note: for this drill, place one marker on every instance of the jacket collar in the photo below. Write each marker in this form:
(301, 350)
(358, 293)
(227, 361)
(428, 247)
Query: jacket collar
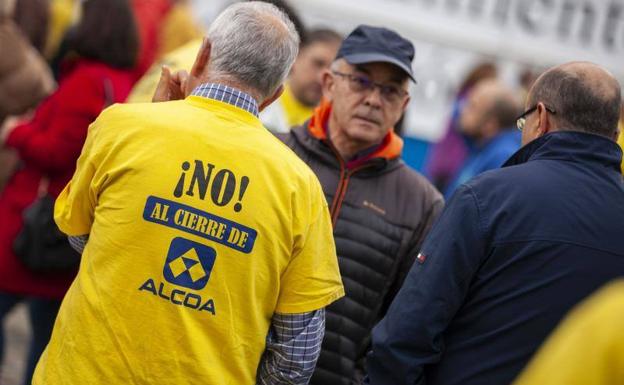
(389, 148)
(571, 146)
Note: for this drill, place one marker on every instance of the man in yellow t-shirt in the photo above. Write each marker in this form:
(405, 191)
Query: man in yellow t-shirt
(210, 256)
(587, 348)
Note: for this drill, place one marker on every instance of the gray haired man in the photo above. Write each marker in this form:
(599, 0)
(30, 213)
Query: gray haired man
(209, 254)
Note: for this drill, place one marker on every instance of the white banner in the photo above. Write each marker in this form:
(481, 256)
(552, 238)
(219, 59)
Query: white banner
(539, 32)
(452, 35)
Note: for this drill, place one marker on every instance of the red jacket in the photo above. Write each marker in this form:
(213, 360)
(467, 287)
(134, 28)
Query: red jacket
(50, 145)
(149, 16)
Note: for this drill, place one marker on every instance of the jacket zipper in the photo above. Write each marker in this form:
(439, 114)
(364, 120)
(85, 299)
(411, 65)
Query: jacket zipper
(343, 183)
(342, 191)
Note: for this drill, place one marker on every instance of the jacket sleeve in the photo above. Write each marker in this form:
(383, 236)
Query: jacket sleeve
(53, 139)
(411, 335)
(431, 214)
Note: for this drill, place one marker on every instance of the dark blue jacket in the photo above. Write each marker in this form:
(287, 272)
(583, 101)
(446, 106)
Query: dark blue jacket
(512, 252)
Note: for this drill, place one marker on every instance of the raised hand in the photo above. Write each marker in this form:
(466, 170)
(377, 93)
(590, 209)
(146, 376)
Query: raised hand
(178, 85)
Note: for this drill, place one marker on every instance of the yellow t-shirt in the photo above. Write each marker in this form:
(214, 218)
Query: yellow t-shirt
(587, 348)
(62, 14)
(296, 112)
(202, 226)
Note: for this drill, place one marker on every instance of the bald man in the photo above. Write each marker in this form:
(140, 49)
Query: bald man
(488, 119)
(516, 247)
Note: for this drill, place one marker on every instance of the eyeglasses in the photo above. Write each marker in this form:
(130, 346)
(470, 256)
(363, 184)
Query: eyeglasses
(521, 121)
(389, 93)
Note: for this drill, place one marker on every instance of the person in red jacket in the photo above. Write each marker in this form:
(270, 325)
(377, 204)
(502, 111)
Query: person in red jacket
(149, 17)
(104, 46)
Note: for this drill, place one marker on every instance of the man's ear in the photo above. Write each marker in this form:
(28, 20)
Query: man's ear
(328, 84)
(272, 98)
(200, 67)
(293, 68)
(406, 103)
(616, 135)
(544, 123)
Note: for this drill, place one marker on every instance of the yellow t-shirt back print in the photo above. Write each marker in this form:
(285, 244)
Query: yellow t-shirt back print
(202, 225)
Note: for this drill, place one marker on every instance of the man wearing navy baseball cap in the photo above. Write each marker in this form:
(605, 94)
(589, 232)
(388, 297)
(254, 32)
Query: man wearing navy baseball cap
(381, 209)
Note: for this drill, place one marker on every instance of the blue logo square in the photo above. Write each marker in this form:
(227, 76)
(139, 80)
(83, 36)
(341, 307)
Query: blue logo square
(189, 264)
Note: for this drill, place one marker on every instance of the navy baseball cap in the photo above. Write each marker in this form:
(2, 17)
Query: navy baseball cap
(367, 44)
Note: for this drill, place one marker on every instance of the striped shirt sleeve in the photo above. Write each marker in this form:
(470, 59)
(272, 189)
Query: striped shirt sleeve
(78, 242)
(293, 346)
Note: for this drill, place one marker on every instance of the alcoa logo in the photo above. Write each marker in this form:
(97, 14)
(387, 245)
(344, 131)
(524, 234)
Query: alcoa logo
(188, 265)
(185, 268)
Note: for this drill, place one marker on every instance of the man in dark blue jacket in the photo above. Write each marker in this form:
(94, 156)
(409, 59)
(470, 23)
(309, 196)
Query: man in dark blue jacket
(515, 248)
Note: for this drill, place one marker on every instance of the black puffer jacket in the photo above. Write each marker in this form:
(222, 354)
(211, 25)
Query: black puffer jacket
(381, 211)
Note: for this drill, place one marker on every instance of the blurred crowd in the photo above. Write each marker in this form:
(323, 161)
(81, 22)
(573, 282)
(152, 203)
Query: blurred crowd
(63, 62)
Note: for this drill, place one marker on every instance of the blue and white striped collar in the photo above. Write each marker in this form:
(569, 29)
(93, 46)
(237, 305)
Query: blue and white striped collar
(228, 95)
